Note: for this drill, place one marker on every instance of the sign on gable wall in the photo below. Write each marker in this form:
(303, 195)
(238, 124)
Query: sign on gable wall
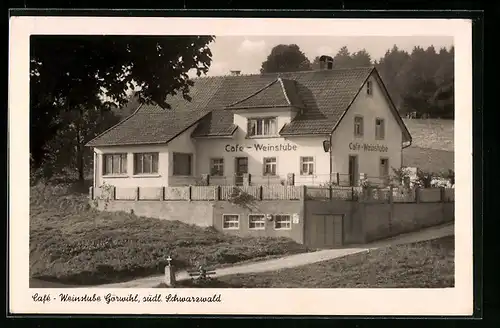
(367, 147)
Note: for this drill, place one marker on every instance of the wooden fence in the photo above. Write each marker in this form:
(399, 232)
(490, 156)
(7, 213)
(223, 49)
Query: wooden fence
(274, 192)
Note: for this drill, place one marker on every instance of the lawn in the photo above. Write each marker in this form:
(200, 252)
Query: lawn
(432, 133)
(432, 147)
(428, 264)
(75, 244)
(431, 160)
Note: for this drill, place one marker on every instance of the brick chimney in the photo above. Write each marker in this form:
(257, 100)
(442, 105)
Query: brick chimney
(325, 62)
(235, 73)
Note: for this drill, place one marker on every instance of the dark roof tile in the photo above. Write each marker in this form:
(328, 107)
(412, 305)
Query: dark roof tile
(323, 95)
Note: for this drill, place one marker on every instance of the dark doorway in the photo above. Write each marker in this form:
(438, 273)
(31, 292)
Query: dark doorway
(353, 170)
(241, 167)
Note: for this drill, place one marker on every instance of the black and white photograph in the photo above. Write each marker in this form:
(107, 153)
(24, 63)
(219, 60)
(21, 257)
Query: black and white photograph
(165, 164)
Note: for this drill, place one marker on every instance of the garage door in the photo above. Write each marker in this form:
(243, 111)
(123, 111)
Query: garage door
(324, 231)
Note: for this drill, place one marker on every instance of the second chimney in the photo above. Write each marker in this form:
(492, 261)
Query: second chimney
(235, 73)
(325, 62)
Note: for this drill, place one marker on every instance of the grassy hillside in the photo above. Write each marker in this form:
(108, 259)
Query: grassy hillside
(432, 133)
(72, 243)
(429, 264)
(432, 148)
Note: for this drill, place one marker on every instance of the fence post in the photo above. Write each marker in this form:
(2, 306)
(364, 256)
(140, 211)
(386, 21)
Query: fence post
(304, 191)
(91, 193)
(136, 193)
(261, 192)
(330, 192)
(391, 200)
(442, 194)
(162, 194)
(218, 191)
(113, 197)
(417, 195)
(338, 178)
(190, 191)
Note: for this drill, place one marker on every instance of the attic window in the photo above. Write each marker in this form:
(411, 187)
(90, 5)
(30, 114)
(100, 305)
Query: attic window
(262, 127)
(369, 90)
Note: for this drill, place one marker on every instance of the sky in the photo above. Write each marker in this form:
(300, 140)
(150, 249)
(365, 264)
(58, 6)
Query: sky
(246, 53)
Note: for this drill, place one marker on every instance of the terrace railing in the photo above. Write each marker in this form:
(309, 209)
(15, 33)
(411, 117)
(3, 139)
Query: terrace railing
(274, 192)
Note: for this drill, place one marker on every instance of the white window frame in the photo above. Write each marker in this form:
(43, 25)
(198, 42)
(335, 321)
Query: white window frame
(260, 122)
(275, 164)
(359, 123)
(379, 129)
(190, 164)
(263, 227)
(229, 227)
(309, 163)
(283, 215)
(123, 164)
(220, 165)
(154, 156)
(369, 87)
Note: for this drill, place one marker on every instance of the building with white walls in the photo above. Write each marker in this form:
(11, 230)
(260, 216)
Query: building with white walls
(310, 127)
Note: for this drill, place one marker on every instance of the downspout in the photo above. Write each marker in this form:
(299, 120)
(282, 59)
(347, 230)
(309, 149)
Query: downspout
(331, 160)
(95, 169)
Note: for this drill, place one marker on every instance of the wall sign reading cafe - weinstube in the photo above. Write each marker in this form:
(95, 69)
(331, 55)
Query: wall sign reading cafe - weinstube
(260, 147)
(367, 147)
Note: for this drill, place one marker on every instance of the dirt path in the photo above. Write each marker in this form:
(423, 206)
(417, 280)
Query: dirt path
(298, 259)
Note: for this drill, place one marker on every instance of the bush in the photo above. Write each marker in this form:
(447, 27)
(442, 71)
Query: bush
(424, 178)
(450, 176)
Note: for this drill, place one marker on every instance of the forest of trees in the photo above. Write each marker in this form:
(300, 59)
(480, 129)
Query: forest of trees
(420, 82)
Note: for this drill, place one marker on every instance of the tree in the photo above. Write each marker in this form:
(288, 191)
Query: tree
(443, 98)
(389, 68)
(361, 59)
(72, 73)
(286, 58)
(343, 58)
(66, 151)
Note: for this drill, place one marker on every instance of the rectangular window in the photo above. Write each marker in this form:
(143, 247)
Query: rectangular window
(369, 89)
(114, 164)
(262, 126)
(182, 163)
(379, 129)
(217, 166)
(230, 221)
(358, 126)
(145, 163)
(270, 166)
(306, 165)
(257, 221)
(282, 221)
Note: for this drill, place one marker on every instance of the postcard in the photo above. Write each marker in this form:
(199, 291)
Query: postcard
(240, 166)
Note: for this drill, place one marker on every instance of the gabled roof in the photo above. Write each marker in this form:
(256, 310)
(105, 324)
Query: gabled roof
(151, 124)
(279, 93)
(323, 96)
